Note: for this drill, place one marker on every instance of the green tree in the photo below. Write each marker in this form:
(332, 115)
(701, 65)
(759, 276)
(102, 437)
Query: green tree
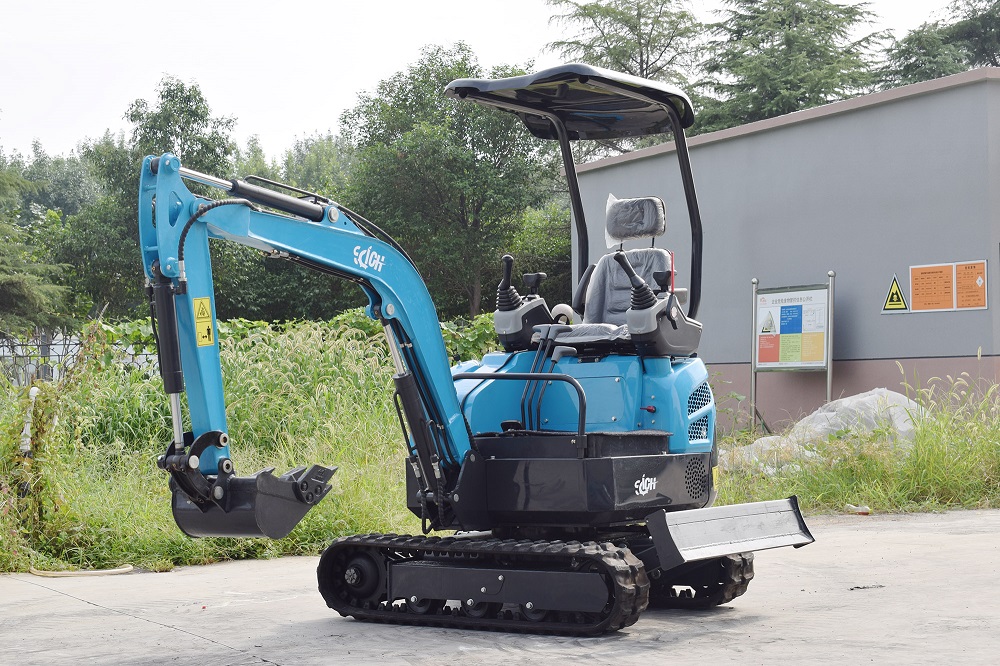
(181, 122)
(253, 161)
(543, 243)
(260, 288)
(772, 57)
(29, 293)
(924, 53)
(101, 251)
(975, 27)
(101, 242)
(319, 163)
(60, 183)
(969, 38)
(451, 180)
(652, 39)
(112, 160)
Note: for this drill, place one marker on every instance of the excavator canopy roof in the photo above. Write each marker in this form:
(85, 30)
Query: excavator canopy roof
(593, 103)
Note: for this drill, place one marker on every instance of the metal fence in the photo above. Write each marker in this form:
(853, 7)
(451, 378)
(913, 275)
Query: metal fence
(48, 356)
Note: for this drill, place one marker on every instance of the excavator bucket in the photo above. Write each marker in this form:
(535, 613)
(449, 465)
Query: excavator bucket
(702, 534)
(261, 505)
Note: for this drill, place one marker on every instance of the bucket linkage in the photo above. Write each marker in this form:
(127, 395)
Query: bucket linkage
(226, 505)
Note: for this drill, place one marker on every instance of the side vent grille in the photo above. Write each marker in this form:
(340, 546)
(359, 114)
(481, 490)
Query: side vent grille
(695, 479)
(700, 397)
(698, 429)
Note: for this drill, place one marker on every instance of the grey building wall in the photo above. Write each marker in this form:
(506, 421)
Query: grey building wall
(865, 187)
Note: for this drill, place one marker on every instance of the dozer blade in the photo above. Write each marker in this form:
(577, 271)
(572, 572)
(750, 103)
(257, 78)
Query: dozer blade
(702, 534)
(261, 505)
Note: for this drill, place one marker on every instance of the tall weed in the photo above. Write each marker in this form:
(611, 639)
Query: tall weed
(953, 461)
(308, 393)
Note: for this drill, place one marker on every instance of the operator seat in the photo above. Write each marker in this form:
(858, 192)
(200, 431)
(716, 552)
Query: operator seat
(609, 292)
(621, 314)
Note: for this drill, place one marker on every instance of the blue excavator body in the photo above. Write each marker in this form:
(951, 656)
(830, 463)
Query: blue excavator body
(578, 464)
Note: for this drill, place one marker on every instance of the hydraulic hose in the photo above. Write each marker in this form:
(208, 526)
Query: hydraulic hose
(202, 209)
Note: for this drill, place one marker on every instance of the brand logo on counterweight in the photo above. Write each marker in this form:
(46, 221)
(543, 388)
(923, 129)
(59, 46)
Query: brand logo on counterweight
(644, 485)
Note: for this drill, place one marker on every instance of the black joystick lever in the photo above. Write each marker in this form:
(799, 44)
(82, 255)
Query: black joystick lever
(532, 281)
(643, 297)
(662, 280)
(507, 297)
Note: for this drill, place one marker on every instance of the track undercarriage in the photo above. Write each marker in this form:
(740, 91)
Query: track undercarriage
(536, 586)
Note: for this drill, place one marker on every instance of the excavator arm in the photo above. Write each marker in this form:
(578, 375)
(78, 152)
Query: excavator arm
(175, 226)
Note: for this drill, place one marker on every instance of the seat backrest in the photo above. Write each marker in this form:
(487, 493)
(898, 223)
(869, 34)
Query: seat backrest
(643, 217)
(610, 292)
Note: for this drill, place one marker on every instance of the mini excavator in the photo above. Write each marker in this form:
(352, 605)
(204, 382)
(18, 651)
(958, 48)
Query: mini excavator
(577, 467)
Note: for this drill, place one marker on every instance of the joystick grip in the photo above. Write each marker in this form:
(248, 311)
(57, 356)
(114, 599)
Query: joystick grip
(643, 297)
(508, 271)
(507, 297)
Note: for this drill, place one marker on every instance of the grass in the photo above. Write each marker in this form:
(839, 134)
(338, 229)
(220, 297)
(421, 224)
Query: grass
(91, 497)
(954, 461)
(313, 393)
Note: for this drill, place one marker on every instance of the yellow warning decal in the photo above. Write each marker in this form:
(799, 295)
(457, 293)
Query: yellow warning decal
(203, 332)
(894, 300)
(715, 477)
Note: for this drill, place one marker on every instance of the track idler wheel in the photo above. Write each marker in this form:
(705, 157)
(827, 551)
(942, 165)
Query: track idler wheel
(702, 585)
(357, 576)
(362, 575)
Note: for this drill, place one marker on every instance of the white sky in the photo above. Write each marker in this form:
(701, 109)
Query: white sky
(284, 69)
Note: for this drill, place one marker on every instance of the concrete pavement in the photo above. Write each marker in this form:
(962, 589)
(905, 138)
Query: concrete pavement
(918, 588)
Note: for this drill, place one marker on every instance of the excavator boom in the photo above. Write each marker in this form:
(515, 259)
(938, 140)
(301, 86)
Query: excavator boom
(175, 226)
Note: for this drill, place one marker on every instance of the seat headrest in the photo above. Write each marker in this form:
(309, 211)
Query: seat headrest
(644, 217)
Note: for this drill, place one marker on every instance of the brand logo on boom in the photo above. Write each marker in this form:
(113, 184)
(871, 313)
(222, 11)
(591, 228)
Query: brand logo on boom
(368, 258)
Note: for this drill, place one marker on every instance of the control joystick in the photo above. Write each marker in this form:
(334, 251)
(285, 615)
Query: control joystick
(643, 297)
(507, 297)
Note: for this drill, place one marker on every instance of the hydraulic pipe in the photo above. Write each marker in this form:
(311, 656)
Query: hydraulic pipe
(262, 195)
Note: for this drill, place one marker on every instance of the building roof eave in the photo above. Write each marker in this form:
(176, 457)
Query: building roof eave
(834, 108)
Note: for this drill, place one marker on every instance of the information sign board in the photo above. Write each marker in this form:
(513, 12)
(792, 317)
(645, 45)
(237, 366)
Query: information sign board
(792, 330)
(792, 325)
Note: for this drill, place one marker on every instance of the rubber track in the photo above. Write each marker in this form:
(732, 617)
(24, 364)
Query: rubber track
(736, 574)
(630, 594)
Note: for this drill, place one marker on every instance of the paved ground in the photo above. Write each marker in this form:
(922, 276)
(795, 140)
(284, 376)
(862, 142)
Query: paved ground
(882, 589)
